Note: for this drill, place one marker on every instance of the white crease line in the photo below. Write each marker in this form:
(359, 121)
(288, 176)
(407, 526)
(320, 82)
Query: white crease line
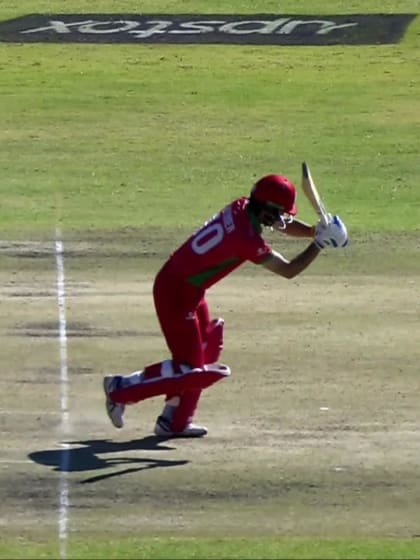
(64, 382)
(15, 461)
(30, 412)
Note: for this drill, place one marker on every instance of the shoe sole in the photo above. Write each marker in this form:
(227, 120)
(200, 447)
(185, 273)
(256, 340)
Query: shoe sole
(181, 435)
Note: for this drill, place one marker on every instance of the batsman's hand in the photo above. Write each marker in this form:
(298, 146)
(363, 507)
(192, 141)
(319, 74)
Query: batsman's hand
(332, 234)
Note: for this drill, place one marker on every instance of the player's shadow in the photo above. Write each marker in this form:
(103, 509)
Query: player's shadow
(87, 457)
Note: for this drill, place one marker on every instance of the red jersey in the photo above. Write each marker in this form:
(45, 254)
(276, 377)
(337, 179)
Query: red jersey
(230, 238)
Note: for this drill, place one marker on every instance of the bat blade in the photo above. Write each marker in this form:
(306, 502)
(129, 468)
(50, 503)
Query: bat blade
(312, 194)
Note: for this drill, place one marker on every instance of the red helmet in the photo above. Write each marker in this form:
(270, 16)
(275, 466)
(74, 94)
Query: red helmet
(277, 190)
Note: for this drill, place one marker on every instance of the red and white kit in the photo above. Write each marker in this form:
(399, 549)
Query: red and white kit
(230, 238)
(222, 244)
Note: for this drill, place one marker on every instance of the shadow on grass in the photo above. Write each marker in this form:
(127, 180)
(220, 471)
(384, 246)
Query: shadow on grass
(86, 457)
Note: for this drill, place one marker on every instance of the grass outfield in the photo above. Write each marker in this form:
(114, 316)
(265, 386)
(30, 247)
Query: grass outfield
(178, 548)
(127, 148)
(81, 139)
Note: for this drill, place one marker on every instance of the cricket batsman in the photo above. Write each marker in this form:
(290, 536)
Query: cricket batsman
(195, 340)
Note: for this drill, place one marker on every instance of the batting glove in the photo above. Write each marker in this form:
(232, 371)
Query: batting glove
(333, 234)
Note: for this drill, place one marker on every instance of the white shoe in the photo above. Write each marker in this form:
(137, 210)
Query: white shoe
(115, 411)
(162, 429)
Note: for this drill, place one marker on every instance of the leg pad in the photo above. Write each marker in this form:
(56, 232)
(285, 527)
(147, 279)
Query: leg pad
(213, 344)
(169, 382)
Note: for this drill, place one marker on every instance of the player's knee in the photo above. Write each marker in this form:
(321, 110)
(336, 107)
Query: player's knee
(203, 378)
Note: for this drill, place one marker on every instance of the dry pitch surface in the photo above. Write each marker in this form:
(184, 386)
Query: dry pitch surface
(315, 433)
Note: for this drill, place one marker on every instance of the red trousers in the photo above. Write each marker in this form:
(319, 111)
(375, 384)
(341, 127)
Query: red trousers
(184, 317)
(193, 341)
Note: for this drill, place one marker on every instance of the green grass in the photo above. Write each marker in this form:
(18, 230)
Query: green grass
(10, 9)
(162, 136)
(221, 549)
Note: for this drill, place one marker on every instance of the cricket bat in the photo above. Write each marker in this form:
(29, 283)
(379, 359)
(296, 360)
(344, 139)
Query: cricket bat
(312, 194)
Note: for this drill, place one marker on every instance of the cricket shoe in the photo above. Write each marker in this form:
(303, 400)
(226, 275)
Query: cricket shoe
(162, 429)
(114, 410)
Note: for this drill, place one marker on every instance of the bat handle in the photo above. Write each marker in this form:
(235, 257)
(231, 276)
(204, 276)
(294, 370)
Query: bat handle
(324, 218)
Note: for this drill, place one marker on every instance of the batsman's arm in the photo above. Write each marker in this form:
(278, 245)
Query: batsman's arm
(298, 228)
(289, 269)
